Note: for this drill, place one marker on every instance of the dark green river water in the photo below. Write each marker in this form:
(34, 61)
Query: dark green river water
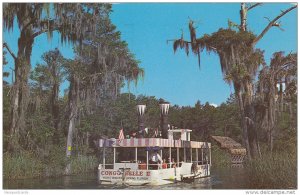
(225, 178)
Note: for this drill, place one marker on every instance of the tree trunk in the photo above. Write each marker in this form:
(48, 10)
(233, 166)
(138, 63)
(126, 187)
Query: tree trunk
(20, 90)
(271, 114)
(246, 105)
(243, 15)
(281, 98)
(55, 112)
(73, 106)
(243, 121)
(250, 115)
(252, 131)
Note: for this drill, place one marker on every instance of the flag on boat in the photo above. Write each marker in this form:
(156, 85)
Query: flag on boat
(121, 135)
(156, 132)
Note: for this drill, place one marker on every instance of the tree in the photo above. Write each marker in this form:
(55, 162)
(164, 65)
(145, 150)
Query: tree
(239, 63)
(50, 76)
(99, 70)
(269, 96)
(69, 19)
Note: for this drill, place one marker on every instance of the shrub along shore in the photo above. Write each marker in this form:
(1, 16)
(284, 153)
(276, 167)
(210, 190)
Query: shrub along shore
(28, 165)
(272, 171)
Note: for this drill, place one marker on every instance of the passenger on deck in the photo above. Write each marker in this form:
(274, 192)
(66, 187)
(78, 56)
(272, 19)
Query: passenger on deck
(142, 165)
(173, 163)
(155, 159)
(164, 164)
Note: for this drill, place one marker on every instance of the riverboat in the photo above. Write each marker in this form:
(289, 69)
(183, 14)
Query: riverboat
(183, 160)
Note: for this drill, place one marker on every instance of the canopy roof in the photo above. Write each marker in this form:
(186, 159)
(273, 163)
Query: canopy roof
(152, 142)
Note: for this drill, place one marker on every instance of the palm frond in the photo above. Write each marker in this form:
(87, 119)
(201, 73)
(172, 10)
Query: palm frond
(187, 48)
(176, 44)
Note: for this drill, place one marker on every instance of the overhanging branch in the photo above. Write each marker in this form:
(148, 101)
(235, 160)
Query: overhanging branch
(9, 50)
(253, 6)
(172, 40)
(287, 64)
(259, 37)
(43, 31)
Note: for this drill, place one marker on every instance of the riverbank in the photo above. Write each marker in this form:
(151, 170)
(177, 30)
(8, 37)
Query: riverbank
(28, 165)
(273, 171)
(276, 171)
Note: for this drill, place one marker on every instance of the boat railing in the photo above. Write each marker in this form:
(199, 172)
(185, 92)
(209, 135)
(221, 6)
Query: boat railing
(141, 166)
(201, 162)
(155, 166)
(107, 166)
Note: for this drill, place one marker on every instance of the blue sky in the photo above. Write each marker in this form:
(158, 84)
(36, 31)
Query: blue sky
(175, 77)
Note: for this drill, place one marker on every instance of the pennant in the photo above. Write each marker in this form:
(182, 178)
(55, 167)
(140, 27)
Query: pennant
(156, 132)
(121, 135)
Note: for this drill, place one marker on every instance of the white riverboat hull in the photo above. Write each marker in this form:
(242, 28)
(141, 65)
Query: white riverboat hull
(151, 177)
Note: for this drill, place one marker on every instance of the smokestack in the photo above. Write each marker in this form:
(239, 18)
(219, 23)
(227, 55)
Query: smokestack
(164, 111)
(141, 111)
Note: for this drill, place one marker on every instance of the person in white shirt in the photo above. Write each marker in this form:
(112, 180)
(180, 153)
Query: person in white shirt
(155, 159)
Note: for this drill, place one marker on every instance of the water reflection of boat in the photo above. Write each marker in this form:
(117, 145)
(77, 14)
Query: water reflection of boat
(186, 160)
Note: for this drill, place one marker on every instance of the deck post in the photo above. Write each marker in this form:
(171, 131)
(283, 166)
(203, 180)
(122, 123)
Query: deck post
(161, 157)
(114, 155)
(197, 156)
(191, 154)
(177, 157)
(184, 154)
(147, 161)
(170, 156)
(202, 156)
(209, 155)
(104, 157)
(136, 154)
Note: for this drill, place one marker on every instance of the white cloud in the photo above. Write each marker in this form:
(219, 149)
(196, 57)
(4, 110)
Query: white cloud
(214, 105)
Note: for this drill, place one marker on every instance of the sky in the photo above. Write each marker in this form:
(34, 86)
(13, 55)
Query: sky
(146, 27)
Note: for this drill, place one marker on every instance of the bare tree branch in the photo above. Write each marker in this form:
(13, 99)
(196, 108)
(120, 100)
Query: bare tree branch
(267, 19)
(172, 40)
(92, 75)
(169, 40)
(42, 31)
(271, 24)
(287, 64)
(253, 6)
(9, 50)
(39, 32)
